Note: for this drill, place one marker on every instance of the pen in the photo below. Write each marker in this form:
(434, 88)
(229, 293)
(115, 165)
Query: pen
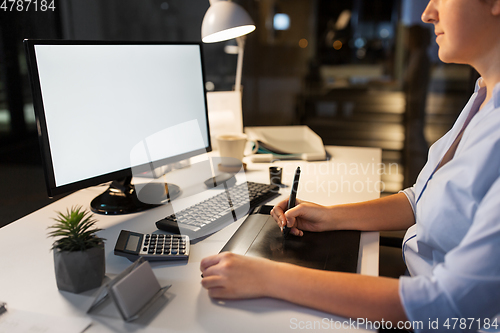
(293, 196)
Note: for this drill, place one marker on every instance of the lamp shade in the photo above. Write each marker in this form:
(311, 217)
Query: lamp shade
(225, 20)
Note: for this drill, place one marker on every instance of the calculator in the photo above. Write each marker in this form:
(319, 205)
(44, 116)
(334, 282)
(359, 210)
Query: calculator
(152, 247)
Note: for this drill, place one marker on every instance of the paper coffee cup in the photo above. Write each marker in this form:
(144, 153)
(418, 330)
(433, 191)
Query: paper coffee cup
(231, 148)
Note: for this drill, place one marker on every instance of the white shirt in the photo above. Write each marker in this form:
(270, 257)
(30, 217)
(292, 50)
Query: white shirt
(453, 250)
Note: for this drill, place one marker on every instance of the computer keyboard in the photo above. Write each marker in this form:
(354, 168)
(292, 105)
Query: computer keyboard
(209, 216)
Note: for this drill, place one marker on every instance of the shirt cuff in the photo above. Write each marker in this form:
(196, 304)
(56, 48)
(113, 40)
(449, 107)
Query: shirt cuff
(410, 194)
(425, 303)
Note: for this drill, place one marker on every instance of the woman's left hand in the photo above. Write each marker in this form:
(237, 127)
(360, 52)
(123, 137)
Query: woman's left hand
(229, 275)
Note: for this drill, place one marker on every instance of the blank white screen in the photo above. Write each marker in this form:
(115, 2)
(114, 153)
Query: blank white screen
(102, 100)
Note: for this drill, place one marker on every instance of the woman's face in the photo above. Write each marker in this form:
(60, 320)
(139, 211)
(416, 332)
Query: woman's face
(462, 27)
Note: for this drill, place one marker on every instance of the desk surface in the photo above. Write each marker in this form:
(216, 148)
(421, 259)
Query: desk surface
(27, 280)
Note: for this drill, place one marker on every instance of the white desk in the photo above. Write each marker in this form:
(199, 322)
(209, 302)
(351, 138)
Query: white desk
(27, 279)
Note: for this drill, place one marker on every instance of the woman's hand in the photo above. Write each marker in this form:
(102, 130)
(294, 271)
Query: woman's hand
(304, 216)
(229, 275)
(232, 276)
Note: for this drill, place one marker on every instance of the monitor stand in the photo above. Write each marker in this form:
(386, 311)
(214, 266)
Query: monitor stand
(121, 198)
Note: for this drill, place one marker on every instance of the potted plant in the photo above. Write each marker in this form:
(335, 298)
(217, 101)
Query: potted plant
(78, 253)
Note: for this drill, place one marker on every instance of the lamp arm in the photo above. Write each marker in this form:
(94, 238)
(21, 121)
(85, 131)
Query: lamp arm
(241, 47)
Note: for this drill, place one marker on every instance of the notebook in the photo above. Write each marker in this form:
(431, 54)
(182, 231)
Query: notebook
(260, 236)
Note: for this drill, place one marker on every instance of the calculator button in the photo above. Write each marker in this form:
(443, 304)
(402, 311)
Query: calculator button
(167, 251)
(182, 251)
(145, 249)
(174, 251)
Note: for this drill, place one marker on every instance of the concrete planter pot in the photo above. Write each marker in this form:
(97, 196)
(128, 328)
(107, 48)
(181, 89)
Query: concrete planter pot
(79, 271)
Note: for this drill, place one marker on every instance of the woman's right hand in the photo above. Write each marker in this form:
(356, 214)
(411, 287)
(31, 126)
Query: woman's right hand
(304, 216)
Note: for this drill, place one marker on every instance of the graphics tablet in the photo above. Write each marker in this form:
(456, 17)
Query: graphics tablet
(260, 236)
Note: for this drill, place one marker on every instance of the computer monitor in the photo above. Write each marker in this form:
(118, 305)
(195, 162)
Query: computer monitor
(108, 110)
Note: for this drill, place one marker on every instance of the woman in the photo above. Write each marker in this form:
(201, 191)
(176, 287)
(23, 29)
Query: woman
(452, 213)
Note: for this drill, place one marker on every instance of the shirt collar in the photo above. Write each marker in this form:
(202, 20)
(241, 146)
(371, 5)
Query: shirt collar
(479, 84)
(496, 96)
(496, 91)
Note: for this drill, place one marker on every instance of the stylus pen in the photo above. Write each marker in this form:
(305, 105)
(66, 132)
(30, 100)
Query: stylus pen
(293, 196)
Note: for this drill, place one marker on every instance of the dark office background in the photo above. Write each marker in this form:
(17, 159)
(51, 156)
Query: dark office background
(374, 81)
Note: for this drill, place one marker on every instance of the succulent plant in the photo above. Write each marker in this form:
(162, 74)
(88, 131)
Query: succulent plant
(76, 229)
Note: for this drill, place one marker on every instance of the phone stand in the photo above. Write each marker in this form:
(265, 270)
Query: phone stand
(133, 291)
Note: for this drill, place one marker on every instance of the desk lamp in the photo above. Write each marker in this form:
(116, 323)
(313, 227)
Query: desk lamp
(225, 20)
